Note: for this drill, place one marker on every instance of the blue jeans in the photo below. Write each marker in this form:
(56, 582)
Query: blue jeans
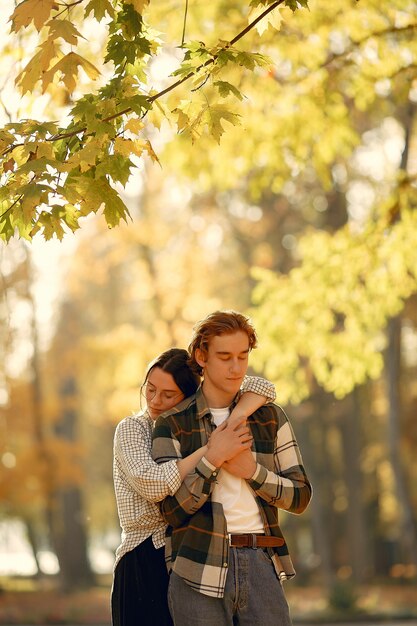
(253, 595)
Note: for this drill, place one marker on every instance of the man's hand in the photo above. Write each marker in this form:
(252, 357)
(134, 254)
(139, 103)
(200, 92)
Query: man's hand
(242, 465)
(226, 442)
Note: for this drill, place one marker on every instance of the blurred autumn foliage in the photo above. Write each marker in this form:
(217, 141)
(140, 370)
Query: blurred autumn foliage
(305, 217)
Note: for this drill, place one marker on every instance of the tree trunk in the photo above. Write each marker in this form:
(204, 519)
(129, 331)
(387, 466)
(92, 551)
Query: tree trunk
(357, 528)
(33, 542)
(408, 537)
(317, 462)
(69, 529)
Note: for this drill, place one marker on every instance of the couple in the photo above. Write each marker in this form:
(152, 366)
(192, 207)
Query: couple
(226, 461)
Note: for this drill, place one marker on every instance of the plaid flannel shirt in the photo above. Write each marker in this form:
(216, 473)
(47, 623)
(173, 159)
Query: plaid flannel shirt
(139, 482)
(197, 544)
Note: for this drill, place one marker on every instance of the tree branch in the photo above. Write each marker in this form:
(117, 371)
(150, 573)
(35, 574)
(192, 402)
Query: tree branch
(171, 87)
(356, 44)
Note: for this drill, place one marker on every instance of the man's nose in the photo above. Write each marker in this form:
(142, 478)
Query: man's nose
(235, 366)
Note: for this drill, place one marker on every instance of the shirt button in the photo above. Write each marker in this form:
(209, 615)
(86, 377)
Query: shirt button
(224, 564)
(214, 473)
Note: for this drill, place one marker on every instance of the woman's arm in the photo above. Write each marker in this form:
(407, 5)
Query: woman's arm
(248, 404)
(260, 386)
(187, 465)
(133, 462)
(224, 443)
(133, 456)
(255, 392)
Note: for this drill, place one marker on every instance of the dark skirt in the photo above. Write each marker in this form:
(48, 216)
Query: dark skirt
(139, 594)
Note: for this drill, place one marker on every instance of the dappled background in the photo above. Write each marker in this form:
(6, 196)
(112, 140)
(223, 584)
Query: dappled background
(304, 218)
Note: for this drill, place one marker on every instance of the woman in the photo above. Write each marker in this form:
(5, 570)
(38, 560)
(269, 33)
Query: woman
(140, 577)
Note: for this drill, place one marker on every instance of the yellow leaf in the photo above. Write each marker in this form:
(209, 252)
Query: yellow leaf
(84, 158)
(31, 200)
(127, 147)
(6, 139)
(273, 18)
(68, 66)
(19, 155)
(151, 152)
(183, 120)
(158, 113)
(135, 125)
(64, 29)
(123, 146)
(37, 66)
(28, 10)
(45, 149)
(90, 69)
(139, 145)
(138, 5)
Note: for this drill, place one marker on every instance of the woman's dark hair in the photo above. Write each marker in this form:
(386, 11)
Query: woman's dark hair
(175, 362)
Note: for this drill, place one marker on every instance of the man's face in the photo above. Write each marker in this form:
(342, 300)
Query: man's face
(225, 366)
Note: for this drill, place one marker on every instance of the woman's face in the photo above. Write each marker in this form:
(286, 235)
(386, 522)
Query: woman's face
(161, 392)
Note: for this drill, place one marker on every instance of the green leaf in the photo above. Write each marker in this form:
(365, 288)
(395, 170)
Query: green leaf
(136, 103)
(114, 207)
(295, 4)
(99, 8)
(37, 166)
(215, 116)
(116, 166)
(34, 194)
(225, 89)
(6, 227)
(64, 29)
(50, 223)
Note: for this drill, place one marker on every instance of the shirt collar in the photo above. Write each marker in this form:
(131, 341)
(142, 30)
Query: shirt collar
(201, 403)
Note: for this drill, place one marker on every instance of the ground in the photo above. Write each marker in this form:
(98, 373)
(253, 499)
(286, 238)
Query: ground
(24, 601)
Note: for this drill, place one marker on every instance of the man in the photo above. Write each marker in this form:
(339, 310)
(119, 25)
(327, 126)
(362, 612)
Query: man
(224, 546)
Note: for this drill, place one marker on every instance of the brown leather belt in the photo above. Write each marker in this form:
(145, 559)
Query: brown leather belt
(252, 540)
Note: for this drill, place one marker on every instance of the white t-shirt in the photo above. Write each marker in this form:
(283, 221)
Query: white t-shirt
(239, 504)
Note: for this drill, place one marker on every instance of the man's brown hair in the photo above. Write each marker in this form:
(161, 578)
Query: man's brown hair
(218, 323)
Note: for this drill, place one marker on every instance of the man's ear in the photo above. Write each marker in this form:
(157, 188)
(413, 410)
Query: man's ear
(200, 357)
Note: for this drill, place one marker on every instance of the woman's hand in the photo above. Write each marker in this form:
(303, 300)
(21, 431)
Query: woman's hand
(226, 441)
